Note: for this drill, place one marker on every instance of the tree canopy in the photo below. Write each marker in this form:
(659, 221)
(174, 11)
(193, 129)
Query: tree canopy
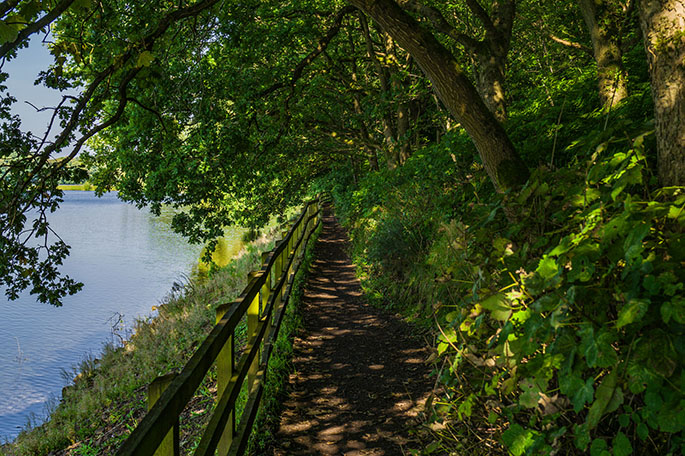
(228, 109)
(511, 171)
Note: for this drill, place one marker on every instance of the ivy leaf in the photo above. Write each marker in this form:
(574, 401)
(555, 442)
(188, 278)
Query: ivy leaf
(497, 304)
(633, 310)
(608, 398)
(583, 394)
(517, 439)
(547, 268)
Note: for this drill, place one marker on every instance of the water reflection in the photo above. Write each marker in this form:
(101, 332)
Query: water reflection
(127, 259)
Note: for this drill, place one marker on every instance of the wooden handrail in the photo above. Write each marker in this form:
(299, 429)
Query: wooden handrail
(272, 283)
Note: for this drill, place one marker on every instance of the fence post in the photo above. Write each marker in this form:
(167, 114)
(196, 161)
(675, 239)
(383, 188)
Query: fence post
(291, 252)
(170, 444)
(252, 328)
(224, 372)
(265, 292)
(285, 254)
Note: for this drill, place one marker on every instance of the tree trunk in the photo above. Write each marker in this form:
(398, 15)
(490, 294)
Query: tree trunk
(611, 74)
(500, 159)
(491, 71)
(492, 57)
(363, 131)
(389, 152)
(663, 29)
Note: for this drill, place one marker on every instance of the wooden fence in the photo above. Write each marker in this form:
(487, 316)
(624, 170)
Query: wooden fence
(263, 302)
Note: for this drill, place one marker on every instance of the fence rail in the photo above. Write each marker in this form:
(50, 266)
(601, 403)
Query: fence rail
(263, 301)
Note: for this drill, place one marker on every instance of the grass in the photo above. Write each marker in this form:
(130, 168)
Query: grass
(280, 364)
(108, 397)
(86, 186)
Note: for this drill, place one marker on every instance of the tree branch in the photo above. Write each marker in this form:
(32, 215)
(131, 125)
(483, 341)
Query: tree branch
(146, 42)
(34, 27)
(482, 16)
(147, 108)
(7, 5)
(571, 44)
(441, 25)
(323, 44)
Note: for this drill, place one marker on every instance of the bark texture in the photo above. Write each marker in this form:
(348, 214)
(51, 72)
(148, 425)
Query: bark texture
(492, 57)
(604, 33)
(501, 161)
(490, 52)
(663, 29)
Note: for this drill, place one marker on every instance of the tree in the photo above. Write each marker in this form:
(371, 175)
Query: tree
(29, 172)
(489, 52)
(602, 20)
(502, 162)
(663, 29)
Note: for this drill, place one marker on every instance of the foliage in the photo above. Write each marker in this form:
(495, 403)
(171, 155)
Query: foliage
(558, 310)
(107, 398)
(280, 365)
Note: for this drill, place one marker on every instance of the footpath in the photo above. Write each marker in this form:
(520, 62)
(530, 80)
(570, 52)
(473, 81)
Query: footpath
(360, 379)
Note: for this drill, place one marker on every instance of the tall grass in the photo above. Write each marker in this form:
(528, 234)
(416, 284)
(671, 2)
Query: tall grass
(107, 397)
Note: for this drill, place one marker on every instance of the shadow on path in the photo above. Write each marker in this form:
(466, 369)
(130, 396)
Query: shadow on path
(360, 379)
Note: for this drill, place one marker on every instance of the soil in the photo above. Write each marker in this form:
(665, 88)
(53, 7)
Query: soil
(360, 378)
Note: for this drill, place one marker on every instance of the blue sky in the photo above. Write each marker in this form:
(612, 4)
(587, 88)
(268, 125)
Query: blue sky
(23, 71)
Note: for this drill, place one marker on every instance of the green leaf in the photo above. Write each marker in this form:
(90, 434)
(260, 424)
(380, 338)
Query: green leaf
(622, 446)
(597, 349)
(498, 306)
(30, 9)
(607, 399)
(145, 59)
(517, 439)
(633, 310)
(599, 448)
(675, 309)
(583, 394)
(581, 436)
(624, 420)
(530, 393)
(547, 268)
(642, 431)
(606, 355)
(564, 246)
(678, 213)
(444, 340)
(8, 33)
(431, 447)
(82, 4)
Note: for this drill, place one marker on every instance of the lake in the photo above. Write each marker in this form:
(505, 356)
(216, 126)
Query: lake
(127, 259)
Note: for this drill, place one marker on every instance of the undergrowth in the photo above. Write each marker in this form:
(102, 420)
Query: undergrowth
(558, 310)
(280, 364)
(108, 396)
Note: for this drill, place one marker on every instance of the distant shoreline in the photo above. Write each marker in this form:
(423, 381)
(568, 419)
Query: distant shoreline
(87, 186)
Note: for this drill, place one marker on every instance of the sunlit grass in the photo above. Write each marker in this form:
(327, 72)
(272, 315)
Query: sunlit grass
(108, 399)
(86, 186)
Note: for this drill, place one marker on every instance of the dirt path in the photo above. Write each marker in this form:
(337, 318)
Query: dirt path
(360, 378)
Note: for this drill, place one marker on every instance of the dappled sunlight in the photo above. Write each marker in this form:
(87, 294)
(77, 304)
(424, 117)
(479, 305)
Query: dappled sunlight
(358, 378)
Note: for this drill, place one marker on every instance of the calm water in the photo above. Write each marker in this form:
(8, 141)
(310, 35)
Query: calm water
(127, 259)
